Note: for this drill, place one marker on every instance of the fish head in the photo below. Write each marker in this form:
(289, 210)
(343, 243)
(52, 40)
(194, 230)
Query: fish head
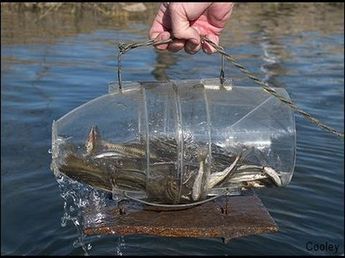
(93, 140)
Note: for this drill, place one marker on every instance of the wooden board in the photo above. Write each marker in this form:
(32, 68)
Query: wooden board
(226, 217)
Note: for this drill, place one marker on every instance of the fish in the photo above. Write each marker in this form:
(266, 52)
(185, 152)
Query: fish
(123, 168)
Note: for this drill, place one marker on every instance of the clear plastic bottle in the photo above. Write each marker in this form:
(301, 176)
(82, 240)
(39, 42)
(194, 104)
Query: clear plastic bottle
(178, 137)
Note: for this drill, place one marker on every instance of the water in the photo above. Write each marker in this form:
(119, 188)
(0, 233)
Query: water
(52, 66)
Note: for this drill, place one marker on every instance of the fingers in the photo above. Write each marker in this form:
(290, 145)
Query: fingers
(172, 21)
(176, 45)
(159, 37)
(192, 48)
(161, 26)
(181, 17)
(219, 13)
(185, 22)
(206, 47)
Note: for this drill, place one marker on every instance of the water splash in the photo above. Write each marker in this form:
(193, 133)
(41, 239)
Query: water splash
(120, 246)
(77, 197)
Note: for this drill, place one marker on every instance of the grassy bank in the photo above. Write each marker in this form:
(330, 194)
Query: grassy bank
(36, 22)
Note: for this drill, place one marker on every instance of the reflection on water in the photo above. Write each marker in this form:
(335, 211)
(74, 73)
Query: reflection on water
(164, 61)
(54, 64)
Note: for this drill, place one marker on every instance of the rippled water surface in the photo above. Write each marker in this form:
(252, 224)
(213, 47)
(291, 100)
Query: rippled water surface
(54, 64)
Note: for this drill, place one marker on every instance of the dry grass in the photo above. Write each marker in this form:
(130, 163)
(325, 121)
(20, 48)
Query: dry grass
(107, 9)
(37, 22)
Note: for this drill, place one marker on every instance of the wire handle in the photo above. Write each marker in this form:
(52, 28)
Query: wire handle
(124, 48)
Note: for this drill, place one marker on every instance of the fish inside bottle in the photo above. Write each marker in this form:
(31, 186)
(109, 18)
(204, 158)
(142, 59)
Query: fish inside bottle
(177, 143)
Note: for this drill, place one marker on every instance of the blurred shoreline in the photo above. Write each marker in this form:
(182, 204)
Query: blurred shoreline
(43, 22)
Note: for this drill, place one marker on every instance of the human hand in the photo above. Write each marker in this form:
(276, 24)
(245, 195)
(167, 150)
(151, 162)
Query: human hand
(186, 22)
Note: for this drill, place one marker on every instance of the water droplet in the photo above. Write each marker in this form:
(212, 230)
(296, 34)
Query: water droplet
(120, 245)
(76, 243)
(115, 196)
(75, 222)
(63, 222)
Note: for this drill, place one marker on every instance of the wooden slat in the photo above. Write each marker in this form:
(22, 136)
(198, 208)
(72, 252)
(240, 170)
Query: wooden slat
(226, 217)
